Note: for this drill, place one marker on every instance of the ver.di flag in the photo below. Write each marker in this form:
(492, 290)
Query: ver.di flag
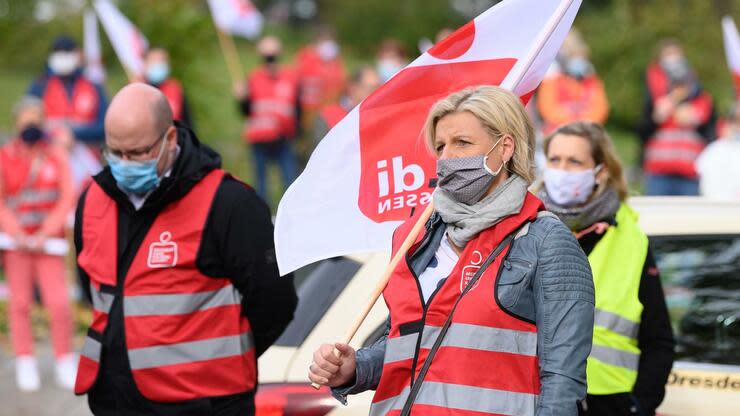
(373, 169)
(128, 42)
(732, 49)
(237, 17)
(93, 57)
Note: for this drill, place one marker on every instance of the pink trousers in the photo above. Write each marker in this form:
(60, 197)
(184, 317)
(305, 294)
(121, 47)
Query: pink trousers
(22, 269)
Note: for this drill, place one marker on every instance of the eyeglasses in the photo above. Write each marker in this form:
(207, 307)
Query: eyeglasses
(136, 154)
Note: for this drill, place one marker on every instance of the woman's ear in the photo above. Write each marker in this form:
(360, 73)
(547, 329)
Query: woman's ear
(508, 144)
(603, 174)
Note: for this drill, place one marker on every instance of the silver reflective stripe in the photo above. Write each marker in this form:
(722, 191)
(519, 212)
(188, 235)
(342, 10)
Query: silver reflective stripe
(31, 196)
(188, 352)
(400, 348)
(616, 323)
(91, 349)
(615, 357)
(468, 336)
(102, 302)
(483, 338)
(147, 305)
(461, 397)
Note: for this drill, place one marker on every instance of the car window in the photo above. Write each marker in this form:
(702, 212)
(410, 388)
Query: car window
(317, 290)
(701, 280)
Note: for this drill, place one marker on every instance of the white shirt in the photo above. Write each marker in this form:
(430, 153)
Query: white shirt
(439, 268)
(719, 170)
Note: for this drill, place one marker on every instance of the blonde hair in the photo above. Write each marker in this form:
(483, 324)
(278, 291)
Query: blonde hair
(602, 151)
(501, 113)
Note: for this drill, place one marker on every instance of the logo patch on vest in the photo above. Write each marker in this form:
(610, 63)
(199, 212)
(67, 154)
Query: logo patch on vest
(470, 270)
(162, 254)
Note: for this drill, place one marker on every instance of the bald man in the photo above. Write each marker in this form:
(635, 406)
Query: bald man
(177, 259)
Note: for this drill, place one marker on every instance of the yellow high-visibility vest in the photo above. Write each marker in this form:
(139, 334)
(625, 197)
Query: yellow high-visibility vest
(617, 262)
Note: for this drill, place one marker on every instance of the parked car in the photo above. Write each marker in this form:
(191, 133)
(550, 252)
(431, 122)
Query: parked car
(696, 243)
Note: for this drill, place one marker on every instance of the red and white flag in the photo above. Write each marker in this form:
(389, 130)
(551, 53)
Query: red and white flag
(373, 168)
(237, 17)
(93, 57)
(732, 49)
(128, 42)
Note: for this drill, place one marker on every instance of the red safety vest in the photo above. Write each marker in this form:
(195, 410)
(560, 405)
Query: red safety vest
(673, 149)
(333, 114)
(172, 89)
(487, 363)
(574, 95)
(321, 81)
(30, 181)
(185, 334)
(273, 106)
(80, 108)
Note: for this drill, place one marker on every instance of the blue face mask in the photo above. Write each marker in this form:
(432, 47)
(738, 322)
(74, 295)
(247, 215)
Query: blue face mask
(133, 176)
(157, 73)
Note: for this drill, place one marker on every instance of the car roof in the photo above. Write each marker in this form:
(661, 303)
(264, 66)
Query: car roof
(663, 216)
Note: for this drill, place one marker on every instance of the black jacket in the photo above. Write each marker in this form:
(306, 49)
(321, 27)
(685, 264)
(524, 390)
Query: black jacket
(656, 343)
(237, 243)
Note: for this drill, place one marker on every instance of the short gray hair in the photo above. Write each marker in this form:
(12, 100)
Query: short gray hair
(26, 102)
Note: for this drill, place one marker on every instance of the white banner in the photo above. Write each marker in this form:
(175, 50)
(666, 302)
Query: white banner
(128, 42)
(373, 169)
(237, 17)
(732, 49)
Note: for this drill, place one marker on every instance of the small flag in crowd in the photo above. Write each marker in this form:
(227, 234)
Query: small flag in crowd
(373, 168)
(93, 57)
(732, 49)
(128, 42)
(237, 17)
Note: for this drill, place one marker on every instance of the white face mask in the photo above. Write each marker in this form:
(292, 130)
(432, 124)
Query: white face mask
(567, 188)
(327, 50)
(64, 63)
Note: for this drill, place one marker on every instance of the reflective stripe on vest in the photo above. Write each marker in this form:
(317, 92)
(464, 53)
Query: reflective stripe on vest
(147, 305)
(91, 349)
(486, 363)
(617, 262)
(33, 196)
(460, 397)
(468, 336)
(102, 302)
(188, 352)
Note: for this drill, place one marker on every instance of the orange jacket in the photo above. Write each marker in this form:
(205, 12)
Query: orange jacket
(563, 99)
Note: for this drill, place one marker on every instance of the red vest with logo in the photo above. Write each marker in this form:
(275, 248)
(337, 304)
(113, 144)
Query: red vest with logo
(172, 89)
(185, 334)
(30, 181)
(80, 108)
(273, 106)
(333, 114)
(673, 148)
(487, 363)
(321, 81)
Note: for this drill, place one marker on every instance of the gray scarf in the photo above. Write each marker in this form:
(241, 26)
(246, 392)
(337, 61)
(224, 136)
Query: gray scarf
(578, 218)
(465, 221)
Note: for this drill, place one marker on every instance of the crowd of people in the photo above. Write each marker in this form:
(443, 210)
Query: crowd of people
(566, 301)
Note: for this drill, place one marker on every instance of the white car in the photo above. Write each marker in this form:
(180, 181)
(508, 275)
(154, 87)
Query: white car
(696, 243)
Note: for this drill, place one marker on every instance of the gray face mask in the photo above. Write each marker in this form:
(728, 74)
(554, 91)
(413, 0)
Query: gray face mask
(466, 179)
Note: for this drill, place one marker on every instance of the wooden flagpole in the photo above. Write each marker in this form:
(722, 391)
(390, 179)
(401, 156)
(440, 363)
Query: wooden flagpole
(383, 281)
(231, 56)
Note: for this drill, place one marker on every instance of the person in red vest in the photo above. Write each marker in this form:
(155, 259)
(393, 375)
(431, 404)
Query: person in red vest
(70, 99)
(36, 196)
(574, 92)
(677, 122)
(270, 101)
(491, 310)
(364, 81)
(75, 108)
(177, 259)
(321, 73)
(157, 72)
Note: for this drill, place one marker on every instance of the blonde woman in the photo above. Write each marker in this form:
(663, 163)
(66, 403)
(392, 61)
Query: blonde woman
(633, 343)
(491, 312)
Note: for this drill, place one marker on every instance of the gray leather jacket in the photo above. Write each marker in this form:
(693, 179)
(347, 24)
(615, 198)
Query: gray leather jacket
(546, 279)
